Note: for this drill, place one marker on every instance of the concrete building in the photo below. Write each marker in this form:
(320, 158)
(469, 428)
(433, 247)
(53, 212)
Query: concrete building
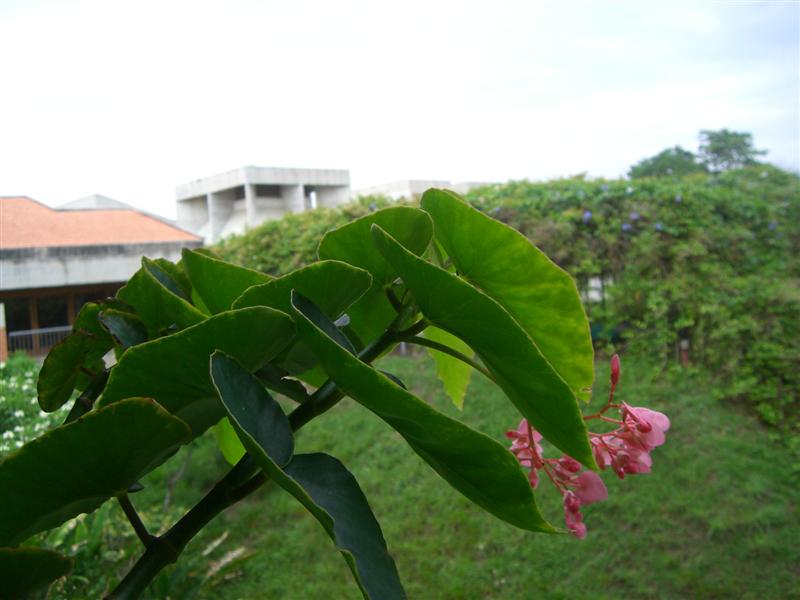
(232, 202)
(414, 188)
(52, 261)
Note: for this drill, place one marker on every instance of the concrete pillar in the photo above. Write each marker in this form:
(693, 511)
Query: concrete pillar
(294, 199)
(250, 204)
(3, 337)
(332, 195)
(219, 210)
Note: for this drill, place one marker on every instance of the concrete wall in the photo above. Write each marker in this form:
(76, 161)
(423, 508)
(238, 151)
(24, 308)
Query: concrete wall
(210, 206)
(25, 268)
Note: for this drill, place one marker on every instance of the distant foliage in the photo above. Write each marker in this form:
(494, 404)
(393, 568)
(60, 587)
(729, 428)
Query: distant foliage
(710, 259)
(723, 150)
(278, 247)
(672, 161)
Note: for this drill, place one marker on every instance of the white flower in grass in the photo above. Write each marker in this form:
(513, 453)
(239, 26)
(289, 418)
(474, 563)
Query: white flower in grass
(18, 429)
(19, 414)
(18, 444)
(7, 435)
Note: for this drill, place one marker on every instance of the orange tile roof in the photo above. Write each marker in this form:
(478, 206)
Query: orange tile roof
(26, 223)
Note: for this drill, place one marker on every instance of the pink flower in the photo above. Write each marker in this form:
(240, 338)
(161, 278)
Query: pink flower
(644, 427)
(590, 488)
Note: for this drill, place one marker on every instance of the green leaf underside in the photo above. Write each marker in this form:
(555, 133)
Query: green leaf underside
(76, 467)
(82, 348)
(332, 285)
(540, 296)
(176, 274)
(320, 482)
(518, 367)
(159, 308)
(473, 463)
(248, 404)
(174, 369)
(351, 243)
(125, 328)
(217, 282)
(228, 442)
(453, 373)
(24, 571)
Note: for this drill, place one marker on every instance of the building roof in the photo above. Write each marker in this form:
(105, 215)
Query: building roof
(95, 202)
(26, 223)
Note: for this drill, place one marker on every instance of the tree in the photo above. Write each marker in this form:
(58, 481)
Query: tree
(723, 150)
(672, 161)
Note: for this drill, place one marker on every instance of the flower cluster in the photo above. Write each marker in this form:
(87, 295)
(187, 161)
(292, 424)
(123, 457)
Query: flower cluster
(625, 450)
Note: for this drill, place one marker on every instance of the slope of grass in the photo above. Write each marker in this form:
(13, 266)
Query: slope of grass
(716, 519)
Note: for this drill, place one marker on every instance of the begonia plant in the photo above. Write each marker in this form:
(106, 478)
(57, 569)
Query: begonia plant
(206, 345)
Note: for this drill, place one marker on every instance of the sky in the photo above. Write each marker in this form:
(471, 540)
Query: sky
(130, 99)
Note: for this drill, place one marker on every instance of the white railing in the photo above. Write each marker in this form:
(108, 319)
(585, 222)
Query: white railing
(37, 341)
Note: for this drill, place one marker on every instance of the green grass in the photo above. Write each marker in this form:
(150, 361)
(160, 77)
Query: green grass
(717, 518)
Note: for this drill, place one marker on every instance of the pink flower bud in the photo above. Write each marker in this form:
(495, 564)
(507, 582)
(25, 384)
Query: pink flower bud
(571, 503)
(615, 370)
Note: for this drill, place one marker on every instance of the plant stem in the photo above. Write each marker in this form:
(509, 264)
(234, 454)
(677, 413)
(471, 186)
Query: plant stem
(135, 520)
(420, 341)
(238, 483)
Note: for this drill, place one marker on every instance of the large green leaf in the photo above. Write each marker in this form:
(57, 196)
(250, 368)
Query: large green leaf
(174, 369)
(76, 467)
(332, 284)
(24, 571)
(74, 358)
(217, 282)
(159, 300)
(453, 373)
(352, 244)
(540, 296)
(518, 367)
(320, 482)
(476, 465)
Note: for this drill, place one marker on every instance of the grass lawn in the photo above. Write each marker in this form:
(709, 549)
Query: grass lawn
(716, 519)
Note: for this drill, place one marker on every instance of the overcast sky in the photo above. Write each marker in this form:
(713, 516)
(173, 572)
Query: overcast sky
(128, 99)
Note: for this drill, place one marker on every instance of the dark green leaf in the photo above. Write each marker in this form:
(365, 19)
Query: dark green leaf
(474, 464)
(24, 571)
(310, 309)
(351, 243)
(170, 275)
(540, 296)
(249, 405)
(321, 483)
(217, 282)
(75, 360)
(174, 369)
(125, 328)
(161, 310)
(518, 367)
(76, 467)
(60, 370)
